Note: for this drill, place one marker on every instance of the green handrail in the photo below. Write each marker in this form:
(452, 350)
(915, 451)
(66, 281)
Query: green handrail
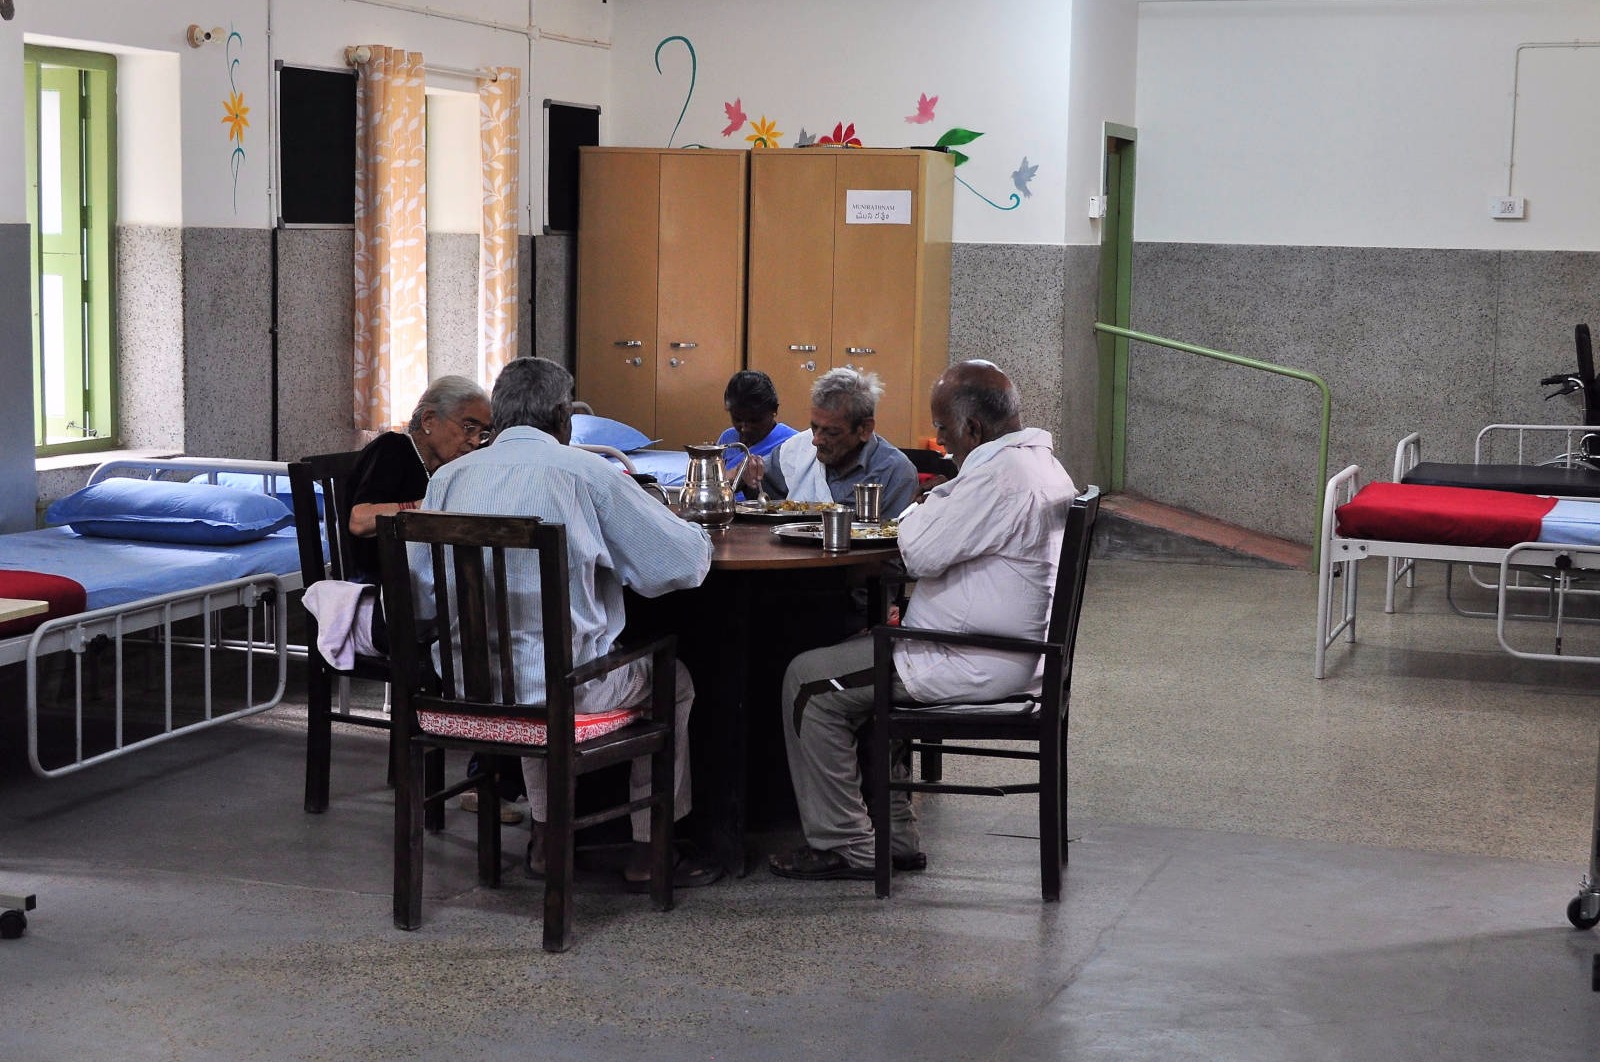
(1264, 366)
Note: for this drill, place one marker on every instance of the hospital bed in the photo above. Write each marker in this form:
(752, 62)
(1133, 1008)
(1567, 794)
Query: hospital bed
(144, 600)
(1554, 540)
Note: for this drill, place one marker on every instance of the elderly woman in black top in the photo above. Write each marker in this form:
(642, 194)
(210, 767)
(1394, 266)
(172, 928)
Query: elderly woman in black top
(451, 419)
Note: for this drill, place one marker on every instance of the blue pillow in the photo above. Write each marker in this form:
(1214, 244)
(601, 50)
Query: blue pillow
(162, 511)
(603, 431)
(279, 485)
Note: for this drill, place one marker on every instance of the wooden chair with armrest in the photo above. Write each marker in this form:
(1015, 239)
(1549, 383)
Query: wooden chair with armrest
(472, 706)
(320, 487)
(1039, 719)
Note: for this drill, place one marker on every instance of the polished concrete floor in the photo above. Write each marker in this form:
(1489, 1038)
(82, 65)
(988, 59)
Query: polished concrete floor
(1370, 867)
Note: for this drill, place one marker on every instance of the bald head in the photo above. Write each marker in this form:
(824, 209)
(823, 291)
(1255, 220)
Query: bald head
(973, 403)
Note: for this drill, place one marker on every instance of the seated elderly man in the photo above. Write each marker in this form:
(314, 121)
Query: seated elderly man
(983, 548)
(617, 536)
(840, 450)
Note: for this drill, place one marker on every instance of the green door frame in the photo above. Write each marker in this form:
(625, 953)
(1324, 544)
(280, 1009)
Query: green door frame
(1116, 290)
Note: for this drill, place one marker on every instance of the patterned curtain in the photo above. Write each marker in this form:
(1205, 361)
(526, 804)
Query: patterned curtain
(499, 105)
(391, 274)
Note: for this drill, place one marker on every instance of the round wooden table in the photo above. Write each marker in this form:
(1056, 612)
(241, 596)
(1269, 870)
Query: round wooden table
(737, 633)
(750, 545)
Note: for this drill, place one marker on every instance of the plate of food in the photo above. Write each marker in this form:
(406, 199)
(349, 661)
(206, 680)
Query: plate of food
(782, 512)
(861, 534)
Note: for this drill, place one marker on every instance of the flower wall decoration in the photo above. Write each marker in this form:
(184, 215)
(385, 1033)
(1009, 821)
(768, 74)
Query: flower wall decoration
(766, 134)
(235, 115)
(843, 136)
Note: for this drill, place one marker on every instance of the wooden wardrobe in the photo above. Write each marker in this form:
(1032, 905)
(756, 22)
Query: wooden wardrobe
(844, 275)
(661, 287)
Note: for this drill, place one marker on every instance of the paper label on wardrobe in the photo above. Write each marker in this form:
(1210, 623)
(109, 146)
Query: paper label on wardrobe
(887, 206)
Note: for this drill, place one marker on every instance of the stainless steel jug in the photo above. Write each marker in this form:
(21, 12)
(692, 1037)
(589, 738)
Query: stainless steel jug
(708, 490)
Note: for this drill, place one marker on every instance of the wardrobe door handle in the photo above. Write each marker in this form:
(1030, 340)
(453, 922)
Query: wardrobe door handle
(628, 343)
(803, 348)
(683, 346)
(859, 350)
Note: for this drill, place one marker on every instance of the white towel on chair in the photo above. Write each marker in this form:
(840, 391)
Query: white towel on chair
(344, 620)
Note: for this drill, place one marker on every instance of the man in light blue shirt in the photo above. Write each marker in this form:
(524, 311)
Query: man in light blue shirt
(617, 536)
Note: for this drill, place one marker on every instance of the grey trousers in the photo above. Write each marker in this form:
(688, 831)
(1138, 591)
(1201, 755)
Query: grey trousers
(820, 733)
(535, 771)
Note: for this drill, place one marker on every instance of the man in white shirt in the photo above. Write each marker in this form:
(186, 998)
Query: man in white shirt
(617, 536)
(983, 548)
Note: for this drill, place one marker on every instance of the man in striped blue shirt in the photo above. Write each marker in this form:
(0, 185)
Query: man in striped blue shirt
(617, 536)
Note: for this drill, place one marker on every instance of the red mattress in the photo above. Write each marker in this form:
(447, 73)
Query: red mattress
(1443, 516)
(64, 595)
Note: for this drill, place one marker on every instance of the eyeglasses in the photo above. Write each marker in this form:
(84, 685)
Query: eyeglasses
(475, 430)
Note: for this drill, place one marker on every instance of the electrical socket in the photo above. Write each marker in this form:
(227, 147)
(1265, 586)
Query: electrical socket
(1503, 207)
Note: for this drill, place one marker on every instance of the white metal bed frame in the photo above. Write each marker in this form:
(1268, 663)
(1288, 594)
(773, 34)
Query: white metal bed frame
(266, 631)
(1558, 565)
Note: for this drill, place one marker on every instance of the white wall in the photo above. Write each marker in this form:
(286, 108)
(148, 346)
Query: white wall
(1366, 123)
(178, 161)
(1000, 68)
(1105, 42)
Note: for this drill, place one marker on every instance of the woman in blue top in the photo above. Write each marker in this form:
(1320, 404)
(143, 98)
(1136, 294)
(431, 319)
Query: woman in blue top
(752, 404)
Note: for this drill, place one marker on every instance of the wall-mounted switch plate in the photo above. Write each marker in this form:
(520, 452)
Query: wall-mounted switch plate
(1507, 206)
(1097, 206)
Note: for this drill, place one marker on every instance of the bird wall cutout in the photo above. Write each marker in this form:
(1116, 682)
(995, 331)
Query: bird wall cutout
(925, 105)
(8, 10)
(736, 117)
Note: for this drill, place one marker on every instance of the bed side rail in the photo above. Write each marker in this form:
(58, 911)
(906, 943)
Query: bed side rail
(188, 467)
(266, 631)
(1530, 444)
(1407, 455)
(608, 451)
(1332, 563)
(1562, 565)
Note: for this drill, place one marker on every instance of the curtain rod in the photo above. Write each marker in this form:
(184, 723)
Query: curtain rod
(530, 31)
(356, 54)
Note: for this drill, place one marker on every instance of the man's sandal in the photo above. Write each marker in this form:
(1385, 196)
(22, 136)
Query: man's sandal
(814, 864)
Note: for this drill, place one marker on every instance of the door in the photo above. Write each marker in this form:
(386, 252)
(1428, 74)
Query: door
(700, 313)
(790, 326)
(617, 263)
(875, 286)
(1116, 286)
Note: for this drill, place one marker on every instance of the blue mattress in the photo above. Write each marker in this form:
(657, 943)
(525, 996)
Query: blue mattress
(1571, 522)
(670, 467)
(114, 571)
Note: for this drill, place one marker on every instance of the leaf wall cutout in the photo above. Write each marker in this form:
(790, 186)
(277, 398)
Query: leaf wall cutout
(957, 136)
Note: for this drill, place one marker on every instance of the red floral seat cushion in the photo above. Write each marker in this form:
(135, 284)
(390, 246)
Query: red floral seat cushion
(521, 731)
(64, 595)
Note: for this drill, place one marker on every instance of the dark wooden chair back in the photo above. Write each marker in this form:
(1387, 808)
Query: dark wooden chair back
(1010, 717)
(1072, 569)
(476, 565)
(320, 490)
(477, 671)
(319, 486)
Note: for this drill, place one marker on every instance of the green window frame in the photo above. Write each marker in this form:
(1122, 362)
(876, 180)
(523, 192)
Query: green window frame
(69, 104)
